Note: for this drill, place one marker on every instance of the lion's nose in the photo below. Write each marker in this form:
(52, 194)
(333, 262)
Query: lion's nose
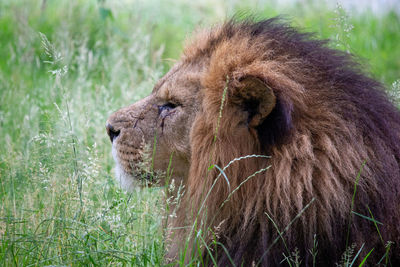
(112, 132)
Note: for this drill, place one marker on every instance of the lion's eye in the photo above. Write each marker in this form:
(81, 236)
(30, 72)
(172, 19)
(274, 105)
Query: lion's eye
(166, 107)
(169, 105)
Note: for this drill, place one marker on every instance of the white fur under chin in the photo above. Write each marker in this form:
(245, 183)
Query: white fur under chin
(126, 181)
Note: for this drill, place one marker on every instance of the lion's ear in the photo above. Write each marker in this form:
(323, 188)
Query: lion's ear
(255, 97)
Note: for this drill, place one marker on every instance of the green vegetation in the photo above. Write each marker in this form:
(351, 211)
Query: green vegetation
(64, 67)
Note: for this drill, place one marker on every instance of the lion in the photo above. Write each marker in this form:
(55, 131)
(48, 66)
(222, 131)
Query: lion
(283, 145)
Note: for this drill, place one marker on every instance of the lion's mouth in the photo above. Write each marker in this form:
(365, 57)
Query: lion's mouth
(127, 156)
(131, 167)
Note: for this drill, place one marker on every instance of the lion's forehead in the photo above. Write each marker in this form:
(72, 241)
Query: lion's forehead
(181, 85)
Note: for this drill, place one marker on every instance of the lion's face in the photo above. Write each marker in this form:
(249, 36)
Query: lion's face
(157, 127)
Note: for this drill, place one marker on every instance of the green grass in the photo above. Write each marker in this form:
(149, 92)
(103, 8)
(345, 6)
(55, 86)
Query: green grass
(59, 202)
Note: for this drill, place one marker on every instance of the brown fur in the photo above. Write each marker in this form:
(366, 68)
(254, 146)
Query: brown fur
(325, 119)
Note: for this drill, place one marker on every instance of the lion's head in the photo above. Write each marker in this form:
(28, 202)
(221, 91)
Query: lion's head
(270, 131)
(162, 120)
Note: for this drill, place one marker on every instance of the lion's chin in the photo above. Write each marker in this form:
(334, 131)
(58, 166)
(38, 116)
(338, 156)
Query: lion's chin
(126, 180)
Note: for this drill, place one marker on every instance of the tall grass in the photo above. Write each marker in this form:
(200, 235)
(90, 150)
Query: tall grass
(64, 67)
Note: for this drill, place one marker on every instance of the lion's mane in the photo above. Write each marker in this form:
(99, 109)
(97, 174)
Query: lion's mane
(331, 124)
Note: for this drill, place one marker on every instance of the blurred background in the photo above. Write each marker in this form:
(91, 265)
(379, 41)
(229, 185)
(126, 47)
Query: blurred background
(66, 65)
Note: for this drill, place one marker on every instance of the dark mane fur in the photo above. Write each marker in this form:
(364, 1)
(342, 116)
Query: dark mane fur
(329, 118)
